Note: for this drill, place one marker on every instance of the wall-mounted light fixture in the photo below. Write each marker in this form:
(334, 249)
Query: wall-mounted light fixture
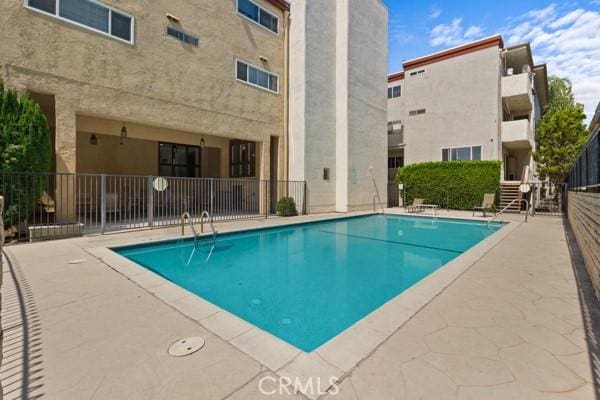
(202, 142)
(264, 59)
(123, 134)
(172, 18)
(93, 139)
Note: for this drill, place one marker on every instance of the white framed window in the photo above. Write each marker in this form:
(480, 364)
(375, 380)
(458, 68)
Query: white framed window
(394, 91)
(88, 14)
(257, 77)
(420, 111)
(259, 15)
(461, 153)
(419, 72)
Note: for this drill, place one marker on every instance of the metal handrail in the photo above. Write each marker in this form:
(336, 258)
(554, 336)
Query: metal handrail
(508, 205)
(191, 222)
(376, 195)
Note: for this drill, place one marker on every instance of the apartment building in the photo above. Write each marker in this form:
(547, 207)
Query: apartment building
(478, 101)
(202, 89)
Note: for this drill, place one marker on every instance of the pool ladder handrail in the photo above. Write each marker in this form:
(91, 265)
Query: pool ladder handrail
(508, 206)
(191, 222)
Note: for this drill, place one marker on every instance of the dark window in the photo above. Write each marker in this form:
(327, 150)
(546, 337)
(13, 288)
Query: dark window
(86, 13)
(184, 37)
(259, 15)
(257, 77)
(461, 153)
(242, 158)
(395, 161)
(417, 112)
(394, 92)
(120, 26)
(242, 71)
(178, 160)
(445, 154)
(48, 6)
(248, 9)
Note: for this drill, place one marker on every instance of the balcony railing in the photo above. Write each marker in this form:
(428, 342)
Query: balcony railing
(517, 92)
(518, 133)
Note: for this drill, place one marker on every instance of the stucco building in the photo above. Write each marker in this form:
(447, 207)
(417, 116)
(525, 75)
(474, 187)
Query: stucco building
(478, 101)
(205, 88)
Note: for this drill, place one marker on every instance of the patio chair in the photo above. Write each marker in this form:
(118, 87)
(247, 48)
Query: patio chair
(486, 204)
(415, 206)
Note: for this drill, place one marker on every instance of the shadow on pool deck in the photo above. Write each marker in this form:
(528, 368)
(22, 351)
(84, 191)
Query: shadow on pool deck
(22, 372)
(590, 308)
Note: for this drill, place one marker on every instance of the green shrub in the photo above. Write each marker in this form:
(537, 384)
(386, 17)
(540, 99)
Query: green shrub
(455, 184)
(286, 206)
(25, 147)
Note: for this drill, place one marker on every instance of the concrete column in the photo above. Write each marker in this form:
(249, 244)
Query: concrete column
(264, 149)
(65, 147)
(66, 136)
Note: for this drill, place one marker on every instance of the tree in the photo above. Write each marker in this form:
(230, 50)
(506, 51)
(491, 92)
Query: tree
(560, 133)
(25, 147)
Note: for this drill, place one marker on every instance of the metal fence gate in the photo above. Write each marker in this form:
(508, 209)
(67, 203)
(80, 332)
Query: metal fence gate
(55, 205)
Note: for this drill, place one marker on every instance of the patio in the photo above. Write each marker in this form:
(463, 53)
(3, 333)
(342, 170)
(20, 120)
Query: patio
(511, 326)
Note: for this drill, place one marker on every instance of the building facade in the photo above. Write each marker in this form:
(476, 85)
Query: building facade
(167, 72)
(338, 56)
(479, 101)
(202, 89)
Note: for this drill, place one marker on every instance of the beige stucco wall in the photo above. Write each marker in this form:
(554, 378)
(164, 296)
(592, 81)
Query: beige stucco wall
(158, 81)
(461, 96)
(338, 70)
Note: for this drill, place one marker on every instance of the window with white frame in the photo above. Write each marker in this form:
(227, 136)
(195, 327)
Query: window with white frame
(394, 92)
(461, 153)
(182, 36)
(255, 76)
(90, 14)
(258, 15)
(419, 72)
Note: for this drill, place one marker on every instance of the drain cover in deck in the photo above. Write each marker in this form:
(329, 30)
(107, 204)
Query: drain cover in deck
(187, 346)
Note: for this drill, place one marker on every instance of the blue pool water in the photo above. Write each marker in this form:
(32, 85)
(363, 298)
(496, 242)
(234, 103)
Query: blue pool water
(306, 283)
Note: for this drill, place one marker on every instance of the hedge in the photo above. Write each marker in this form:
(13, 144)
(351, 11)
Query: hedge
(454, 184)
(286, 206)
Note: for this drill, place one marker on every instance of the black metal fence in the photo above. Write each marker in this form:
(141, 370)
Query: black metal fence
(56, 205)
(585, 174)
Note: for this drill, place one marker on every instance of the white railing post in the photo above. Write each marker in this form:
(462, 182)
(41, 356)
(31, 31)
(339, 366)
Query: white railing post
(102, 203)
(212, 195)
(150, 202)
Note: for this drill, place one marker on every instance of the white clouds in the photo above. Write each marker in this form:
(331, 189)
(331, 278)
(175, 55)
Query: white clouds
(435, 12)
(568, 40)
(453, 34)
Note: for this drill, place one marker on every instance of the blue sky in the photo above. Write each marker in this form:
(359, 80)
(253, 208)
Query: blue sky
(563, 34)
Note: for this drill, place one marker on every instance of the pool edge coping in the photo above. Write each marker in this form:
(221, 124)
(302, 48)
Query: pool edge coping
(335, 358)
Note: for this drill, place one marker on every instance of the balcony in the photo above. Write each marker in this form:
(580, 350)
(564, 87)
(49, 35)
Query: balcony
(517, 134)
(517, 94)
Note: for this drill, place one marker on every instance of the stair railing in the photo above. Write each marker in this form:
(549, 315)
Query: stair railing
(508, 206)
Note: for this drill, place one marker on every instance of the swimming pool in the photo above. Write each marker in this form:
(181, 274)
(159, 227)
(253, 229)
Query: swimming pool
(306, 283)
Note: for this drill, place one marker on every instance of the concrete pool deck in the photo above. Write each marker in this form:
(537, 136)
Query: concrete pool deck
(509, 326)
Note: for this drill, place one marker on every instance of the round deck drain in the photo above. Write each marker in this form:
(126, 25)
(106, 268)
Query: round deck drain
(78, 261)
(187, 346)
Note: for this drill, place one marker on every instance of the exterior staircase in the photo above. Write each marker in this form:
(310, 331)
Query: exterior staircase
(509, 191)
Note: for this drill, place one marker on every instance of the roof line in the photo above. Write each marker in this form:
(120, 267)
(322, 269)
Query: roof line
(283, 5)
(490, 41)
(396, 76)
